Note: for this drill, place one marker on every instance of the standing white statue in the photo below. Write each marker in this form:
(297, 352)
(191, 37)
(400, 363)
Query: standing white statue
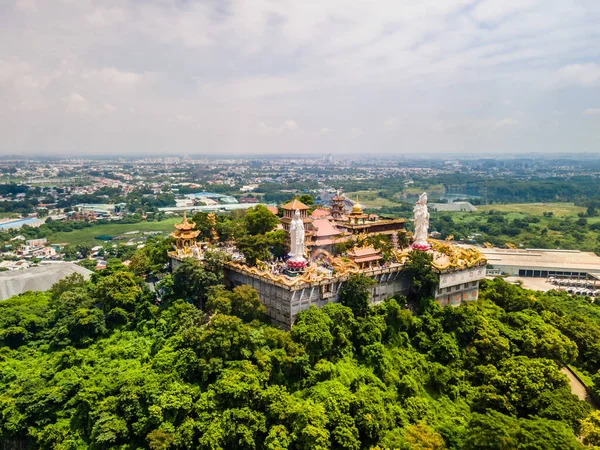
(421, 224)
(297, 239)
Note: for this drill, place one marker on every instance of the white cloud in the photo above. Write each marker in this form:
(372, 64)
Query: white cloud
(356, 132)
(492, 11)
(212, 71)
(11, 70)
(391, 124)
(587, 75)
(78, 104)
(505, 122)
(26, 5)
(591, 112)
(287, 126)
(113, 75)
(102, 17)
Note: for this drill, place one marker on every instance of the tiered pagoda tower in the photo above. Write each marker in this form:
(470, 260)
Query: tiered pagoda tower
(212, 220)
(337, 206)
(185, 237)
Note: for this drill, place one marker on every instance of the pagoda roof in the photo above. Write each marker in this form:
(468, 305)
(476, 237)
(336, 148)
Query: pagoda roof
(363, 252)
(367, 258)
(185, 225)
(294, 205)
(366, 254)
(185, 234)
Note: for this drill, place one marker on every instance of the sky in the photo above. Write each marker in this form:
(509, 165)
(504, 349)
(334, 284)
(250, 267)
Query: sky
(290, 77)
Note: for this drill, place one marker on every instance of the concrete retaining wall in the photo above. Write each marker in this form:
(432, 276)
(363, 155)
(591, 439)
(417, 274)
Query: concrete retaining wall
(283, 303)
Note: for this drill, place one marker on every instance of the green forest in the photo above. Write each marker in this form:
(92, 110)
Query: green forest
(101, 364)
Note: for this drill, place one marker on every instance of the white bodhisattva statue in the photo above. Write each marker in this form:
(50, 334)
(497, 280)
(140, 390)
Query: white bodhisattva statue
(297, 239)
(421, 224)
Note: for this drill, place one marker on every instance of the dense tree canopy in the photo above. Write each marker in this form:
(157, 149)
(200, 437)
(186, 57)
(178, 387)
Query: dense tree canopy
(96, 364)
(259, 220)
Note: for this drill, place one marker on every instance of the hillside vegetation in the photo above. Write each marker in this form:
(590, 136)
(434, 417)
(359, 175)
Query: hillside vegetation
(99, 365)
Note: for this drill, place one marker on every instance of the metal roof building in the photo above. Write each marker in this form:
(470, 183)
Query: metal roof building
(39, 278)
(542, 262)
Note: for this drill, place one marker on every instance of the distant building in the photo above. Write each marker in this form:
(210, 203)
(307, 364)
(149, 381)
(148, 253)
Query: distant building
(452, 207)
(184, 202)
(18, 223)
(40, 278)
(36, 242)
(248, 200)
(248, 188)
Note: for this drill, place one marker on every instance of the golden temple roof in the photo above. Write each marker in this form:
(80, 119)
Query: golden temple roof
(185, 234)
(357, 207)
(185, 225)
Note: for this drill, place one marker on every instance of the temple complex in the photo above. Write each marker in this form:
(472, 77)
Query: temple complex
(357, 222)
(312, 275)
(323, 274)
(326, 227)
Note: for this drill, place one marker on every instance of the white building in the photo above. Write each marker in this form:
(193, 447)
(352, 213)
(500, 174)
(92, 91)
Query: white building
(541, 263)
(460, 286)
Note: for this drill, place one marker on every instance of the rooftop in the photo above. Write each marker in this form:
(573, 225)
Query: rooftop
(452, 207)
(551, 259)
(40, 278)
(325, 228)
(294, 205)
(319, 213)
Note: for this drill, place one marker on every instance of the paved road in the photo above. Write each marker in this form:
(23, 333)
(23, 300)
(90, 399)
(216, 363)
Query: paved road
(577, 388)
(535, 284)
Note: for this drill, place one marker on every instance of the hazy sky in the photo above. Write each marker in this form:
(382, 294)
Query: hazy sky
(299, 76)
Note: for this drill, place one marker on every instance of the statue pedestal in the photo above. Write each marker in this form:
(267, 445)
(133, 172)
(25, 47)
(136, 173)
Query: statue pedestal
(421, 247)
(297, 264)
(293, 272)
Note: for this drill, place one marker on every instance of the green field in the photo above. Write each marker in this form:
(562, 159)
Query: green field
(87, 235)
(9, 215)
(538, 209)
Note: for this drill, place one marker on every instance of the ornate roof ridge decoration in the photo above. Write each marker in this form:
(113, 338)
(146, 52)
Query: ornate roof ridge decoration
(294, 205)
(455, 257)
(341, 266)
(447, 256)
(338, 196)
(185, 225)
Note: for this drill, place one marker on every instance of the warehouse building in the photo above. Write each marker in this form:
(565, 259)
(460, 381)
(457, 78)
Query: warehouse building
(541, 263)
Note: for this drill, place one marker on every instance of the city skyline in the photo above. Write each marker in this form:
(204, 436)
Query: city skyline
(175, 77)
